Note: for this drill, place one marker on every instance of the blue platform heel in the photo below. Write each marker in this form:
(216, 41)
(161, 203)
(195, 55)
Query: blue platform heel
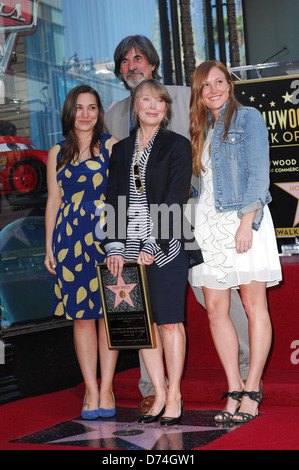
(89, 414)
(108, 412)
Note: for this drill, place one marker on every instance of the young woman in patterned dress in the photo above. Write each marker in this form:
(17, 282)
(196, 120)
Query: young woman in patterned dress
(77, 173)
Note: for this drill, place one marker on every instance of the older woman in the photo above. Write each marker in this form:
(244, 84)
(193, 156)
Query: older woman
(152, 167)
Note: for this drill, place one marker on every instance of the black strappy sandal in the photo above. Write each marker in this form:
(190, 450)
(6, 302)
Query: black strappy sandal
(242, 418)
(226, 416)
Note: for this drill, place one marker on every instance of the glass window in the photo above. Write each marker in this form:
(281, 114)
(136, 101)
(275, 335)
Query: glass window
(208, 24)
(46, 48)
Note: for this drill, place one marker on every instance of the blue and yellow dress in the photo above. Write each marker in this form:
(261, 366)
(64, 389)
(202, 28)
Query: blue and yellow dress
(78, 234)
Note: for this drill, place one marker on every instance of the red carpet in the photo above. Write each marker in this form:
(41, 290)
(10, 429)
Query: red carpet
(203, 384)
(277, 428)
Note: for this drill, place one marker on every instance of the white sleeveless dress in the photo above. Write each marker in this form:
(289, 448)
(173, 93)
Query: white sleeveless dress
(223, 267)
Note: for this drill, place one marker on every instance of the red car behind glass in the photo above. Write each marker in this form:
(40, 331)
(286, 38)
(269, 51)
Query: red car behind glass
(22, 167)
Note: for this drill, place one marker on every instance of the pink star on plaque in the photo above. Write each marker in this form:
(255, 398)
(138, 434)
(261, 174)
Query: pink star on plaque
(122, 292)
(293, 190)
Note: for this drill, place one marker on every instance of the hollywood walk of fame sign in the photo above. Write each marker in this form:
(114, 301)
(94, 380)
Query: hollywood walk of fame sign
(126, 306)
(277, 98)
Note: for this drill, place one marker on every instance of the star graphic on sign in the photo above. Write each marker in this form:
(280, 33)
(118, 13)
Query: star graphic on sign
(287, 97)
(252, 99)
(272, 104)
(143, 437)
(122, 292)
(197, 429)
(293, 190)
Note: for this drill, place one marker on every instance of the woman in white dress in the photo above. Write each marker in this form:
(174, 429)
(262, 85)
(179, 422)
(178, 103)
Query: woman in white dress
(233, 227)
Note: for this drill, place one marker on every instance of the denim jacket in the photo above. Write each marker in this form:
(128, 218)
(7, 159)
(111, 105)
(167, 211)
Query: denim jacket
(240, 164)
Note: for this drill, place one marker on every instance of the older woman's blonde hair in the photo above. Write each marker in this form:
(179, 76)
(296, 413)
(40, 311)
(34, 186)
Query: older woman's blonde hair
(156, 88)
(199, 111)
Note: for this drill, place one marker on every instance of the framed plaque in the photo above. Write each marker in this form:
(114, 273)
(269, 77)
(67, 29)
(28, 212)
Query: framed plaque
(126, 306)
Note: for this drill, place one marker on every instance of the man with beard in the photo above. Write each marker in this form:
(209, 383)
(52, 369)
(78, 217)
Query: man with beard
(136, 59)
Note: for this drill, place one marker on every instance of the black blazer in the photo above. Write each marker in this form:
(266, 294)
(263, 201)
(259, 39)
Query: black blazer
(168, 176)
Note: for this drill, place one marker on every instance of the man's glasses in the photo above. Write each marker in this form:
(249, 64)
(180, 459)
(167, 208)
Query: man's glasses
(137, 178)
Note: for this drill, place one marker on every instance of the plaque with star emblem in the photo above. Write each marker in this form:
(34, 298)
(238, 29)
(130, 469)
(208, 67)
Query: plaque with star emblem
(126, 307)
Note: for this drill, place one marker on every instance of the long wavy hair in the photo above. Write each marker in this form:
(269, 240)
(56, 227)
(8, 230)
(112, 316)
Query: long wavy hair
(199, 111)
(70, 148)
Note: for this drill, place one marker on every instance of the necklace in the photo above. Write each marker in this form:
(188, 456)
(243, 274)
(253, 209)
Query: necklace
(143, 140)
(137, 171)
(78, 160)
(143, 144)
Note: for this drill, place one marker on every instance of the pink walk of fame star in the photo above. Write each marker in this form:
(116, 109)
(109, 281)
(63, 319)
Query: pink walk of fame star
(293, 190)
(122, 292)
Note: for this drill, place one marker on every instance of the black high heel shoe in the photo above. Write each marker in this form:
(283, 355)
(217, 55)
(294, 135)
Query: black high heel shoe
(147, 419)
(226, 416)
(168, 421)
(242, 418)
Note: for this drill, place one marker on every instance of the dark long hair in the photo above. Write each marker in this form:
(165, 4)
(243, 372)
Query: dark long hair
(144, 45)
(199, 112)
(71, 145)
